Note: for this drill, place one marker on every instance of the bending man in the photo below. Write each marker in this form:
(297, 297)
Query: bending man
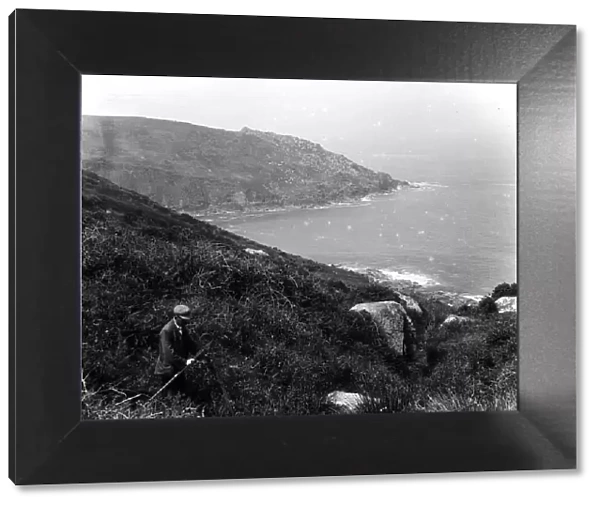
(175, 349)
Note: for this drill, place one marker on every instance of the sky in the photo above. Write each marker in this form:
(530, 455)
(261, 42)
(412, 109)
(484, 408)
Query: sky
(415, 131)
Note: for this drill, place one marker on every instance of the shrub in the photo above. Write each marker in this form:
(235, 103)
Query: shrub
(487, 305)
(504, 290)
(467, 310)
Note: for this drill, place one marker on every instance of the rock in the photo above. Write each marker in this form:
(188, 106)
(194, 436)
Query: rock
(410, 305)
(456, 320)
(507, 304)
(240, 198)
(393, 323)
(256, 252)
(345, 402)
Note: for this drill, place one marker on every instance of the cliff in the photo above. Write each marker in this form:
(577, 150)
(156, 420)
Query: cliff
(201, 169)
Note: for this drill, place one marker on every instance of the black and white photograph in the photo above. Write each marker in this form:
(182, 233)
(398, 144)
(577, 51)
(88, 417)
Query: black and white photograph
(274, 247)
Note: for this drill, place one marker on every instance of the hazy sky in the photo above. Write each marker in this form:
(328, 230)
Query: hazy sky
(407, 129)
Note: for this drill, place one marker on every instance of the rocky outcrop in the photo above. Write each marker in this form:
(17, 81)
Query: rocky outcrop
(393, 324)
(456, 321)
(507, 304)
(258, 252)
(345, 402)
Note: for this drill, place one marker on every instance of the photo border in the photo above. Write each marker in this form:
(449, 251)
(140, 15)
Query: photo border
(49, 50)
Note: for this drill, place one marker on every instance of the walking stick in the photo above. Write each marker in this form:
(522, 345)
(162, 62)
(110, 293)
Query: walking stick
(175, 376)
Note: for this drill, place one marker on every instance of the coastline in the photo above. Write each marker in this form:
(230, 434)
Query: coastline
(409, 283)
(230, 214)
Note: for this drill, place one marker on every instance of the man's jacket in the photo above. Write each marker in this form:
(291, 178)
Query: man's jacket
(176, 345)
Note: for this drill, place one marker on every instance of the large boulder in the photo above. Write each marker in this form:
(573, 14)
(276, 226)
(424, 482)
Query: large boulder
(393, 324)
(507, 304)
(345, 402)
(456, 321)
(258, 252)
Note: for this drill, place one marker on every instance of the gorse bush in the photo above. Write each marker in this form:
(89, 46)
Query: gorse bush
(487, 305)
(276, 329)
(504, 290)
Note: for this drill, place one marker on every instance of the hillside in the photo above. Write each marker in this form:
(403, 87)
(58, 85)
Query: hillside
(200, 169)
(277, 328)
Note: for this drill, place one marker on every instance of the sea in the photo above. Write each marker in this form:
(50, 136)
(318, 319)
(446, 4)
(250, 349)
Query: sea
(456, 234)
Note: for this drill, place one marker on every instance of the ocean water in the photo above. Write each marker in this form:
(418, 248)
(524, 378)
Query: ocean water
(452, 236)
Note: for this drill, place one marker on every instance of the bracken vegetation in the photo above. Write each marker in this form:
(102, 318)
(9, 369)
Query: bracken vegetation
(276, 328)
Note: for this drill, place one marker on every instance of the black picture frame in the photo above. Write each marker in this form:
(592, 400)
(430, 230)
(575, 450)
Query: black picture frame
(49, 50)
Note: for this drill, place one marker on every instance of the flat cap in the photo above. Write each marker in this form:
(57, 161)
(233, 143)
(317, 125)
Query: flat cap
(182, 311)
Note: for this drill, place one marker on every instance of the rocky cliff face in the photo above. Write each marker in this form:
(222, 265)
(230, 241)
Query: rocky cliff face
(196, 168)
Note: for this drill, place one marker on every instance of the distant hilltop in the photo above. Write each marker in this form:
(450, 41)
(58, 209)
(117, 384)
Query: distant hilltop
(201, 169)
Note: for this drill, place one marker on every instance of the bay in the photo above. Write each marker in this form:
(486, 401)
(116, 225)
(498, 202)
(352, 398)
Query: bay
(457, 236)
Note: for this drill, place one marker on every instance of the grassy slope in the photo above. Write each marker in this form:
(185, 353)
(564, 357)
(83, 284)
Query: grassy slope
(277, 328)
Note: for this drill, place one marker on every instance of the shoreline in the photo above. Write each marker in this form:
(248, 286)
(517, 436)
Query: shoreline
(407, 282)
(221, 214)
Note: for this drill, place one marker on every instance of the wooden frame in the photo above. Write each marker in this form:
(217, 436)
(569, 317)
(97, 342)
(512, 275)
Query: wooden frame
(48, 53)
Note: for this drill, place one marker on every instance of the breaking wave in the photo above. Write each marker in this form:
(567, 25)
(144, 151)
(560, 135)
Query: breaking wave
(393, 275)
(424, 185)
(416, 281)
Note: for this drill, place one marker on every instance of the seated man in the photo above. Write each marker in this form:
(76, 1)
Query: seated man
(175, 349)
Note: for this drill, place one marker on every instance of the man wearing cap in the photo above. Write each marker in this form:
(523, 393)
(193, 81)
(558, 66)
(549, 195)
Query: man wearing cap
(176, 345)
